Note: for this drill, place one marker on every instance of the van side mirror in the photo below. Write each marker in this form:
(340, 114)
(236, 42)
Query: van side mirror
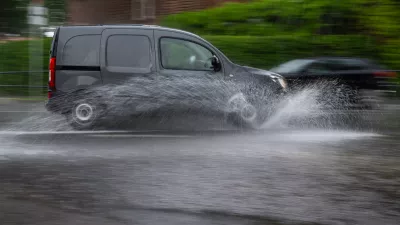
(216, 64)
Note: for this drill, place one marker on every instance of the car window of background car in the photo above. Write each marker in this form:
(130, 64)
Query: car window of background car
(319, 68)
(374, 65)
(128, 51)
(293, 66)
(177, 54)
(349, 64)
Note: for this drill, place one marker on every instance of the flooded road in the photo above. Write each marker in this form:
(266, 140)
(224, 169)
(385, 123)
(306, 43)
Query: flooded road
(277, 175)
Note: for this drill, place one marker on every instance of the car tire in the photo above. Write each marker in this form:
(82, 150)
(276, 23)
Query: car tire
(244, 114)
(348, 97)
(371, 99)
(84, 114)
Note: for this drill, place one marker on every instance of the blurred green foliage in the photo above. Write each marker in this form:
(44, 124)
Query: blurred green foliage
(277, 17)
(268, 51)
(20, 56)
(364, 28)
(13, 16)
(15, 55)
(56, 11)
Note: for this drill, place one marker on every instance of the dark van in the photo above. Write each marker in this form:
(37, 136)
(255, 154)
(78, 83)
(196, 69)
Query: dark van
(84, 58)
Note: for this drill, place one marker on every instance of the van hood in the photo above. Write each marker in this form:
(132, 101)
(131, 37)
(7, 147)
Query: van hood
(276, 78)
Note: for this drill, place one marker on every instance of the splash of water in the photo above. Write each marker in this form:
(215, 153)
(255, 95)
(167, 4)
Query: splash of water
(310, 104)
(40, 122)
(180, 93)
(302, 104)
(190, 92)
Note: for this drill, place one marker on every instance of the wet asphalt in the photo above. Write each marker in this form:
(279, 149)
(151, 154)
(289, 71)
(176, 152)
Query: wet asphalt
(199, 171)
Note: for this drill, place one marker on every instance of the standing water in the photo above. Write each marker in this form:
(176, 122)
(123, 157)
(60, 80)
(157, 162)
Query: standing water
(272, 176)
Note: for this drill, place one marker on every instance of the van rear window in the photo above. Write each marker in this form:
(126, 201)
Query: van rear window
(82, 50)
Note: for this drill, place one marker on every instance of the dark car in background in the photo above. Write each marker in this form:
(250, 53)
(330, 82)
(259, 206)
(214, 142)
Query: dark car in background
(361, 83)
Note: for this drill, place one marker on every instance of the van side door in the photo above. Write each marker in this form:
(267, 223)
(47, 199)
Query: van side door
(127, 54)
(183, 55)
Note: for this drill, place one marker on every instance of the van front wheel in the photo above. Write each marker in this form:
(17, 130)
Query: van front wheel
(244, 114)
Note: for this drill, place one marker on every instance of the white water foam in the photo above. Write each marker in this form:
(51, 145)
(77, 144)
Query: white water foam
(11, 148)
(40, 122)
(318, 136)
(302, 104)
(316, 104)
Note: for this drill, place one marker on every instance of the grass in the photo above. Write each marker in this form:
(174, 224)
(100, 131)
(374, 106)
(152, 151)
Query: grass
(23, 55)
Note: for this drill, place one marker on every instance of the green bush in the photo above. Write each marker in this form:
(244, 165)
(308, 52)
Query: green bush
(12, 16)
(23, 56)
(266, 52)
(293, 29)
(274, 17)
(57, 11)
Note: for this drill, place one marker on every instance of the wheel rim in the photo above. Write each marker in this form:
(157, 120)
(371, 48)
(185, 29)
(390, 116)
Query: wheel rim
(84, 113)
(248, 112)
(236, 102)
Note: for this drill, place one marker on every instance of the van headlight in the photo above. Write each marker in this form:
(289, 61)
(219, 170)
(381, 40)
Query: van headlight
(282, 82)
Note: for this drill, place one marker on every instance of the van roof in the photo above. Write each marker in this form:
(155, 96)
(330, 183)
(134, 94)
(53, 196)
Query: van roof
(133, 26)
(111, 25)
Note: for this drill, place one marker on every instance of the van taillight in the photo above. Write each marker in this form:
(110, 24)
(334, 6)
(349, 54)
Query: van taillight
(385, 74)
(52, 75)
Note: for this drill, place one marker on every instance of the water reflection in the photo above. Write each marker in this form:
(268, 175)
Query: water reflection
(333, 177)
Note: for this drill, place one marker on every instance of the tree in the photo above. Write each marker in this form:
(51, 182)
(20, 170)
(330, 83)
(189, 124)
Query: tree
(13, 16)
(57, 11)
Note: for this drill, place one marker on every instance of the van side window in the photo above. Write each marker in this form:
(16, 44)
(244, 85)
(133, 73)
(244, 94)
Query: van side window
(128, 51)
(82, 50)
(177, 54)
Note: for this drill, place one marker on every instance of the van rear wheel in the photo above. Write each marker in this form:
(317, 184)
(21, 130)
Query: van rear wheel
(83, 115)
